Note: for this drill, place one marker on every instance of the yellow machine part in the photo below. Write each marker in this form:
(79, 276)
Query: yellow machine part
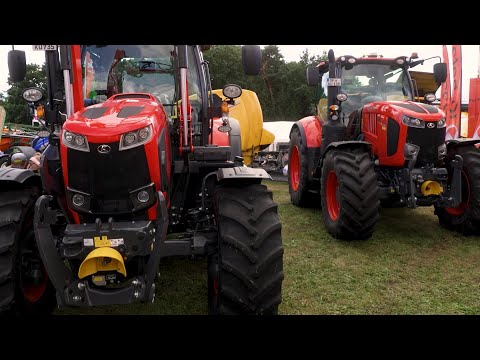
(248, 112)
(431, 188)
(102, 259)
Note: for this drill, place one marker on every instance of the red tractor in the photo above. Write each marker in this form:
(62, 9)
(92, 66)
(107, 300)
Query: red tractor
(371, 144)
(143, 163)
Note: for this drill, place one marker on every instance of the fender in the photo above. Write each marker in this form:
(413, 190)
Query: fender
(453, 143)
(17, 175)
(310, 130)
(256, 175)
(343, 144)
(311, 133)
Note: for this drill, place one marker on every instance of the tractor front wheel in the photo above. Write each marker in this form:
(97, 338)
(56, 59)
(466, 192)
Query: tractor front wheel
(245, 275)
(24, 283)
(349, 194)
(465, 218)
(298, 183)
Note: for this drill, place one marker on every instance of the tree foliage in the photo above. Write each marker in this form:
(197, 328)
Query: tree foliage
(16, 107)
(281, 86)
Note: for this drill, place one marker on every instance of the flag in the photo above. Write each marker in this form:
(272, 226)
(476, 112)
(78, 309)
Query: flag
(451, 97)
(474, 109)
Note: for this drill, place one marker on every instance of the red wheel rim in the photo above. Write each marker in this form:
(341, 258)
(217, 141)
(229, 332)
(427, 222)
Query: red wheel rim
(294, 168)
(331, 195)
(34, 292)
(460, 209)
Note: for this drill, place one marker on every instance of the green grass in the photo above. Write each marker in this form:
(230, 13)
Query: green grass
(410, 266)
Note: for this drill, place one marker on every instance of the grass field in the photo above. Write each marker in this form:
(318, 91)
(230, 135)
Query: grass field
(410, 266)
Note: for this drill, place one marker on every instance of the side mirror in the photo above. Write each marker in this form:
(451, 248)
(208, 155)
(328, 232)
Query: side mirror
(440, 72)
(17, 65)
(313, 76)
(251, 59)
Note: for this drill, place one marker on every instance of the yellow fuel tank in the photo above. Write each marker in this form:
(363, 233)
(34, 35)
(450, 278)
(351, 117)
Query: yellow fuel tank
(248, 112)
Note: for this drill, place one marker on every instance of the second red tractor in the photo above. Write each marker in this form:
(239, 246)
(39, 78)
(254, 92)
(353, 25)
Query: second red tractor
(371, 144)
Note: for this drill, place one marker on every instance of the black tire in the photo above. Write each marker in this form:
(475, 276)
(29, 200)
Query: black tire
(245, 275)
(465, 219)
(349, 194)
(17, 243)
(4, 161)
(298, 182)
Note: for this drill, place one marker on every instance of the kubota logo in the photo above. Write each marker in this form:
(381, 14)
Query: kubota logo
(104, 149)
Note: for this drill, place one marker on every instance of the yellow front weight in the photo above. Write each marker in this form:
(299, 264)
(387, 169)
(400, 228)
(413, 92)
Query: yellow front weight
(102, 259)
(430, 187)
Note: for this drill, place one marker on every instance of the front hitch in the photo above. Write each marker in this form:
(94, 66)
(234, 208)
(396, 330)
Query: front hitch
(74, 291)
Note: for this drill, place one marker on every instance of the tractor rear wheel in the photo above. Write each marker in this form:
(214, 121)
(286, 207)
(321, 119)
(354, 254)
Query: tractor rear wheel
(465, 218)
(24, 283)
(298, 182)
(349, 194)
(245, 275)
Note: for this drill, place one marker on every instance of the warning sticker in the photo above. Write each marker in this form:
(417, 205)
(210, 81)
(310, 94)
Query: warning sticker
(103, 241)
(116, 242)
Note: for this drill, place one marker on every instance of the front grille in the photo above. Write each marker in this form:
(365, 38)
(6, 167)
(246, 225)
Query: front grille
(108, 177)
(429, 140)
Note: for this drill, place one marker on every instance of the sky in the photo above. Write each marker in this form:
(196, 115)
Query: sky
(470, 57)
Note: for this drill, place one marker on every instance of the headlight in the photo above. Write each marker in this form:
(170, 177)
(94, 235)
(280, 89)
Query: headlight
(342, 97)
(135, 138)
(78, 201)
(441, 123)
(410, 151)
(75, 141)
(413, 122)
(442, 150)
(232, 91)
(143, 197)
(430, 97)
(32, 94)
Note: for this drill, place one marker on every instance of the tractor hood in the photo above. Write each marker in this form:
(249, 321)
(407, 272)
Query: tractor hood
(119, 114)
(410, 108)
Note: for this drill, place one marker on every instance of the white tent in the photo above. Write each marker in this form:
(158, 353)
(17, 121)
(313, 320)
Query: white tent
(281, 130)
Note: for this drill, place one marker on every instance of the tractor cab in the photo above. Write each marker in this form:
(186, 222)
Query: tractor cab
(366, 80)
(148, 69)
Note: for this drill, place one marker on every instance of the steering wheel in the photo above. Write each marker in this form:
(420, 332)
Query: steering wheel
(371, 98)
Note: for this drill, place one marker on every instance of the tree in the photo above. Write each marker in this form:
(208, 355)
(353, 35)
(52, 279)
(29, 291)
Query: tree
(15, 106)
(225, 63)
(281, 86)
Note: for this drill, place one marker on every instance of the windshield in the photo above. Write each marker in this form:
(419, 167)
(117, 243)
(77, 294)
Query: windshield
(114, 69)
(365, 83)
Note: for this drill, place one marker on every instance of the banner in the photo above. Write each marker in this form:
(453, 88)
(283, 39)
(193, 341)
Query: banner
(474, 109)
(451, 98)
(2, 120)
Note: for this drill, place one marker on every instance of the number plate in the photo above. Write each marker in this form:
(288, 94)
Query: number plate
(44, 47)
(334, 82)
